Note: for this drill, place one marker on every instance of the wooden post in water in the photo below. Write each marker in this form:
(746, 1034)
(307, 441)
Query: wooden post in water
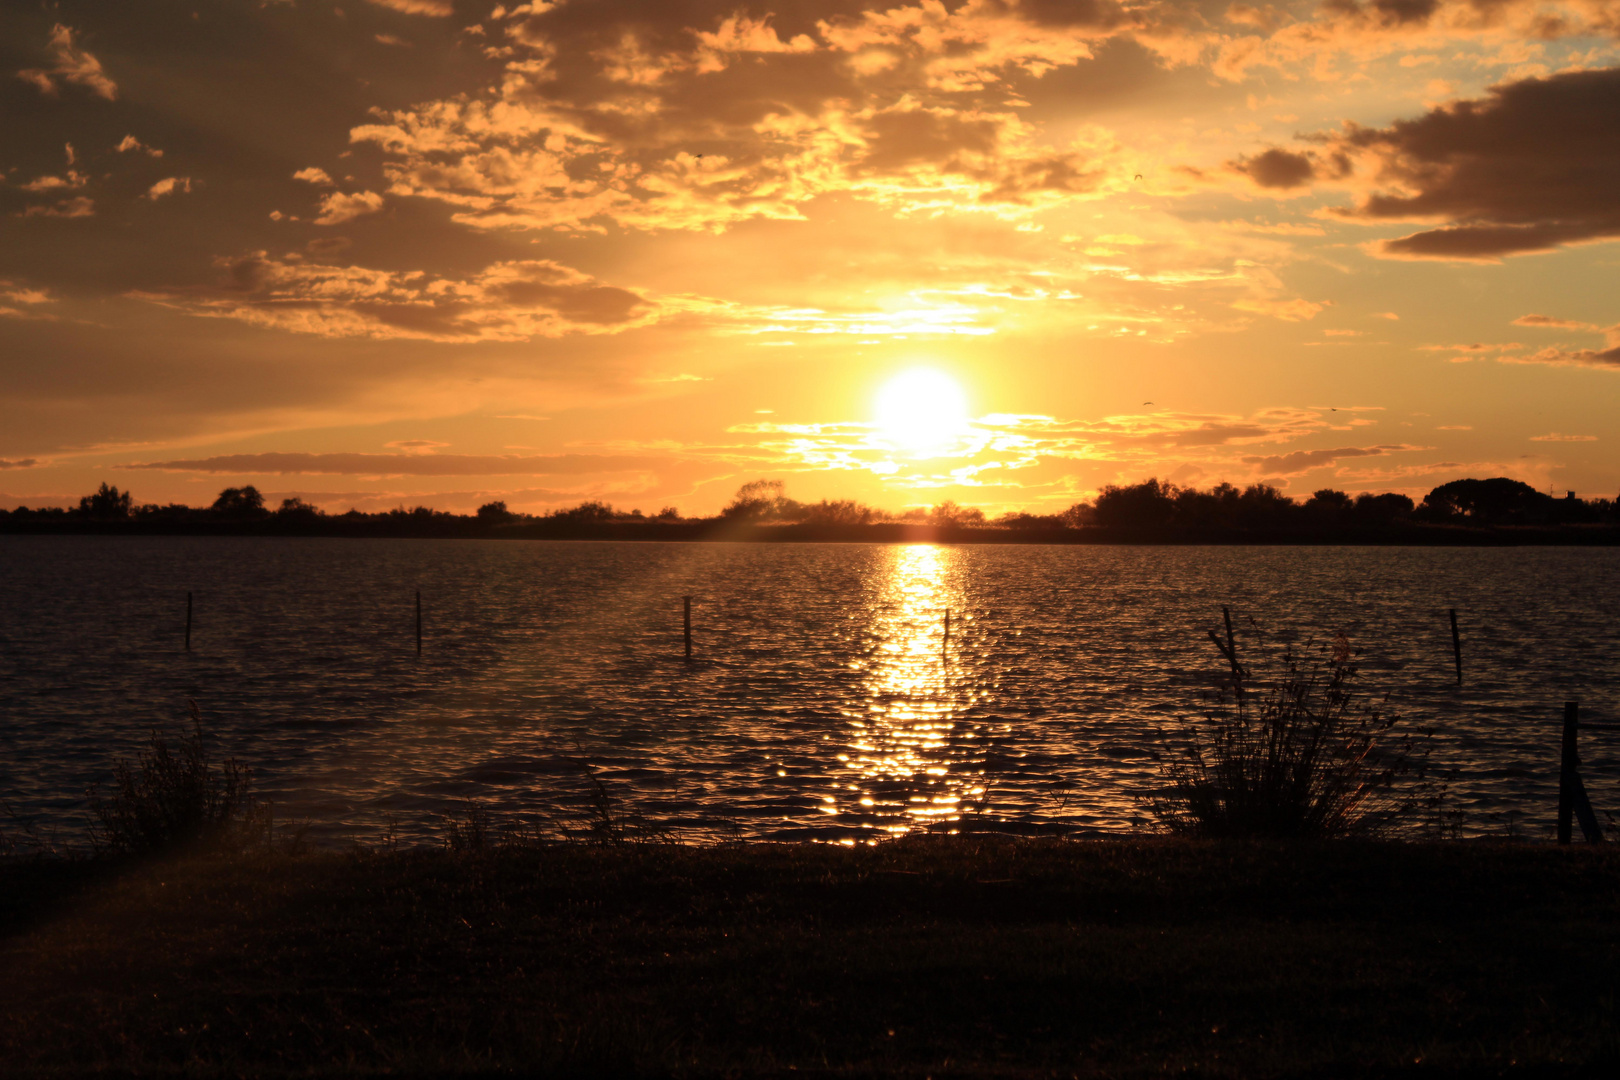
(418, 622)
(1456, 645)
(188, 620)
(1572, 799)
(688, 629)
(946, 643)
(1231, 650)
(1566, 771)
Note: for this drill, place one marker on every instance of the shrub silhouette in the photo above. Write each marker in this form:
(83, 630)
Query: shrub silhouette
(173, 797)
(1305, 757)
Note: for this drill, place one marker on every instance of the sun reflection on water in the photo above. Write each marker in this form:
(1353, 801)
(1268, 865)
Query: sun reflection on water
(913, 761)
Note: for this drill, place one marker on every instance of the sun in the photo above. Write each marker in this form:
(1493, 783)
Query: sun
(921, 410)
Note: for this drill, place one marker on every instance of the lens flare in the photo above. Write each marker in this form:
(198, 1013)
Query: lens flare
(921, 410)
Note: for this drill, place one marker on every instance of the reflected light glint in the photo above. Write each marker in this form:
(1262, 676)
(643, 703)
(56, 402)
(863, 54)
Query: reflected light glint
(914, 763)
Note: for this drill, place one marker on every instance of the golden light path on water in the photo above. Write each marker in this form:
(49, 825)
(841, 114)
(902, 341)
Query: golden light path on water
(912, 761)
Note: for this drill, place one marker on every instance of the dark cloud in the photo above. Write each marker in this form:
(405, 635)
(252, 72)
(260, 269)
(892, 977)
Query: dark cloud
(282, 464)
(1304, 460)
(19, 463)
(1552, 322)
(1534, 166)
(1386, 13)
(509, 301)
(1278, 169)
(1604, 359)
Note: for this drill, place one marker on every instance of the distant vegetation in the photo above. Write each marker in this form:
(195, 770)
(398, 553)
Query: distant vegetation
(1151, 511)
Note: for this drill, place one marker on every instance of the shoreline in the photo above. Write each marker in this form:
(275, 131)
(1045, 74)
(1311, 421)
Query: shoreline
(887, 533)
(963, 957)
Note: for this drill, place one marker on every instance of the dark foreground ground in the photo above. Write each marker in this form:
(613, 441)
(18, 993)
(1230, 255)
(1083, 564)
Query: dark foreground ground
(959, 957)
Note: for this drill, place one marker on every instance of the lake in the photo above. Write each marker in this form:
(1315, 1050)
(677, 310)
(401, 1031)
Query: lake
(823, 701)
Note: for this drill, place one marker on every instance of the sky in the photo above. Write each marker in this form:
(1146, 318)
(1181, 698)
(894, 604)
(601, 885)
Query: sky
(387, 253)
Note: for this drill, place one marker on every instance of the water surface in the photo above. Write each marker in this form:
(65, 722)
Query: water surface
(824, 701)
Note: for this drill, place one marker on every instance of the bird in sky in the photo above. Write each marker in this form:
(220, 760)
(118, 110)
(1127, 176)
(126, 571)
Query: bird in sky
(1147, 402)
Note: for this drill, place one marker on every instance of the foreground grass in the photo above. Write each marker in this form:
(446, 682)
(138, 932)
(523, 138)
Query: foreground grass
(943, 957)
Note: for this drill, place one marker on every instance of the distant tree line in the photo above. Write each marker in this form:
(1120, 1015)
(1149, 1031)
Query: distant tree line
(1147, 510)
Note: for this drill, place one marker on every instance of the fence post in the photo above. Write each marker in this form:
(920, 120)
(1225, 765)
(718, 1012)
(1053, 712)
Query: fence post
(1566, 772)
(1456, 645)
(1572, 799)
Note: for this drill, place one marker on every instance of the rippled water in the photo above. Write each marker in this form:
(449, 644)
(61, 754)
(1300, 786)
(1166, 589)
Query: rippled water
(824, 701)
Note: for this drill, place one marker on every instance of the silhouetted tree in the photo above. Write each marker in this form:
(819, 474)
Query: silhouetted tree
(668, 513)
(949, 514)
(1079, 516)
(494, 513)
(1029, 521)
(1218, 508)
(297, 509)
(1498, 501)
(760, 500)
(1380, 511)
(585, 512)
(1148, 505)
(242, 502)
(1264, 507)
(1328, 509)
(837, 512)
(107, 504)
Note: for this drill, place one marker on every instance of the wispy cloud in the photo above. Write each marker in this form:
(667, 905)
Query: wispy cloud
(410, 464)
(70, 64)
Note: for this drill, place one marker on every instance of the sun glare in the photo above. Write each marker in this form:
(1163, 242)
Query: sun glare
(921, 410)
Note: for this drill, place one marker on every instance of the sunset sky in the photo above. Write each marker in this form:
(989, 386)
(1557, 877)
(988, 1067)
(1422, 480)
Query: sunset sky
(397, 252)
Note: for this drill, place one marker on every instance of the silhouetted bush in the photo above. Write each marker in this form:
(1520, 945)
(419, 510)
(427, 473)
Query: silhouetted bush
(470, 829)
(173, 797)
(1304, 757)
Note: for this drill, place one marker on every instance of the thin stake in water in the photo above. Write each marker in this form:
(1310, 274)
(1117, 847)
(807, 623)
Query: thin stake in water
(188, 620)
(1228, 649)
(688, 628)
(1456, 645)
(946, 643)
(418, 622)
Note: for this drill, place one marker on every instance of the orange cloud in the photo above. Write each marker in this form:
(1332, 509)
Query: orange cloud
(1553, 323)
(70, 64)
(508, 301)
(169, 186)
(440, 8)
(286, 464)
(645, 118)
(1295, 310)
(80, 206)
(337, 207)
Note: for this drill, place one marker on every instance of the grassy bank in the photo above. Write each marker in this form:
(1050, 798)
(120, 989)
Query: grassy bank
(945, 957)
